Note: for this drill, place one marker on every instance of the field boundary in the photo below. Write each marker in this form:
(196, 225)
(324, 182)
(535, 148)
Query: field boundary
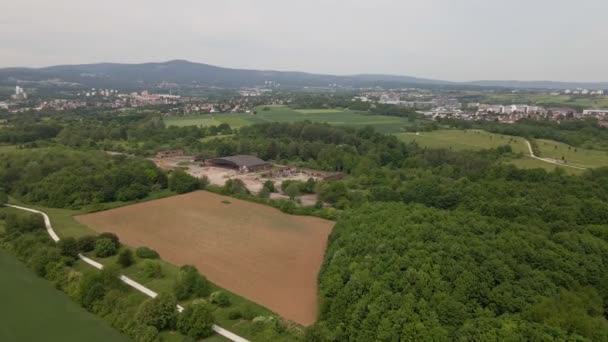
(49, 228)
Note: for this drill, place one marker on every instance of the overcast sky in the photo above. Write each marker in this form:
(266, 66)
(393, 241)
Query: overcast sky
(445, 39)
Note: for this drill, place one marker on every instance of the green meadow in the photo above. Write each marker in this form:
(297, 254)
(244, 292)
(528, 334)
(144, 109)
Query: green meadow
(572, 155)
(337, 117)
(33, 310)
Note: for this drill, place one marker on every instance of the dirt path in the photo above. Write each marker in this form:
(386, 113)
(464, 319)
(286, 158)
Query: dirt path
(548, 160)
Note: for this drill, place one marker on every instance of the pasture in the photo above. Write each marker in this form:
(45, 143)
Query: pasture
(32, 310)
(337, 117)
(460, 140)
(573, 156)
(253, 250)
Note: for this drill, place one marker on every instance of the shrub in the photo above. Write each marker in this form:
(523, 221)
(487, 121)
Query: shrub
(196, 321)
(190, 284)
(181, 182)
(235, 314)
(146, 333)
(110, 236)
(68, 247)
(24, 223)
(269, 185)
(104, 248)
(86, 243)
(159, 312)
(151, 269)
(125, 258)
(146, 253)
(220, 298)
(235, 186)
(90, 295)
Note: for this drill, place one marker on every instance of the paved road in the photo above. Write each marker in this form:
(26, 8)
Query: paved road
(49, 228)
(551, 161)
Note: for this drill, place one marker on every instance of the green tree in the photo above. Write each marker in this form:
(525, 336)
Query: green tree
(190, 284)
(125, 258)
(196, 321)
(104, 248)
(68, 247)
(182, 183)
(292, 190)
(86, 243)
(159, 312)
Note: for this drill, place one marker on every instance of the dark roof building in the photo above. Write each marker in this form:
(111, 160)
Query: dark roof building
(242, 163)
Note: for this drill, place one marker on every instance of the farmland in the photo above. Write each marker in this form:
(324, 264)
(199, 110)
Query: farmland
(337, 117)
(262, 254)
(32, 310)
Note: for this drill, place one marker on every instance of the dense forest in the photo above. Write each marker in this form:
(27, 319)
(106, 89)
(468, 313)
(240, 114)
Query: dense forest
(63, 178)
(428, 245)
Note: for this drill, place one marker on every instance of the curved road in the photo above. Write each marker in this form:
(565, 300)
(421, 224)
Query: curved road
(49, 228)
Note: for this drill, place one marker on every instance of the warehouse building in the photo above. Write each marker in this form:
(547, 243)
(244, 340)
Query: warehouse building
(243, 163)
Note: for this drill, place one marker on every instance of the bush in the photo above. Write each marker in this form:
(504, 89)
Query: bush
(235, 186)
(125, 258)
(220, 298)
(104, 248)
(190, 284)
(181, 182)
(145, 333)
(151, 269)
(68, 247)
(235, 314)
(269, 185)
(3, 197)
(86, 243)
(110, 236)
(159, 312)
(146, 253)
(24, 223)
(196, 321)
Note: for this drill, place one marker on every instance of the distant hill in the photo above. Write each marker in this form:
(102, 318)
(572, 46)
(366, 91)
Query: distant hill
(189, 74)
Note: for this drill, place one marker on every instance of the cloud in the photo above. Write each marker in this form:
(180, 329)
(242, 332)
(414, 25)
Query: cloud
(447, 39)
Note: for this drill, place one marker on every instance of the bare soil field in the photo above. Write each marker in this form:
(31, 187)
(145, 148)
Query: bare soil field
(253, 250)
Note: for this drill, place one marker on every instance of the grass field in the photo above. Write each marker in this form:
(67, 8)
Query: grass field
(32, 310)
(476, 140)
(236, 120)
(253, 250)
(337, 117)
(460, 140)
(572, 155)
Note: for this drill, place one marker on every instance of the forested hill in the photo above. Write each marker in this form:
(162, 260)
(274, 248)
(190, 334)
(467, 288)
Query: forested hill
(189, 74)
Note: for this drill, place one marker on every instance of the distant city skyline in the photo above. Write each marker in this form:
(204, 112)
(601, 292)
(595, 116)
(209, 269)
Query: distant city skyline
(450, 40)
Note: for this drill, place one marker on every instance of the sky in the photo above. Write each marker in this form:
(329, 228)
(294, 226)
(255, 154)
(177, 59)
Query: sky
(456, 40)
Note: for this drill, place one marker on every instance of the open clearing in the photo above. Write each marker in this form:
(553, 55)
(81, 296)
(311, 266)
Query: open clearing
(253, 250)
(465, 140)
(32, 310)
(573, 156)
(337, 117)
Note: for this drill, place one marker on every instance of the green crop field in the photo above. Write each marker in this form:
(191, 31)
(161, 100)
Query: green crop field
(32, 310)
(573, 156)
(337, 117)
(460, 140)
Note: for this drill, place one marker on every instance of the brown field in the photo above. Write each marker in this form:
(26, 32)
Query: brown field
(253, 250)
